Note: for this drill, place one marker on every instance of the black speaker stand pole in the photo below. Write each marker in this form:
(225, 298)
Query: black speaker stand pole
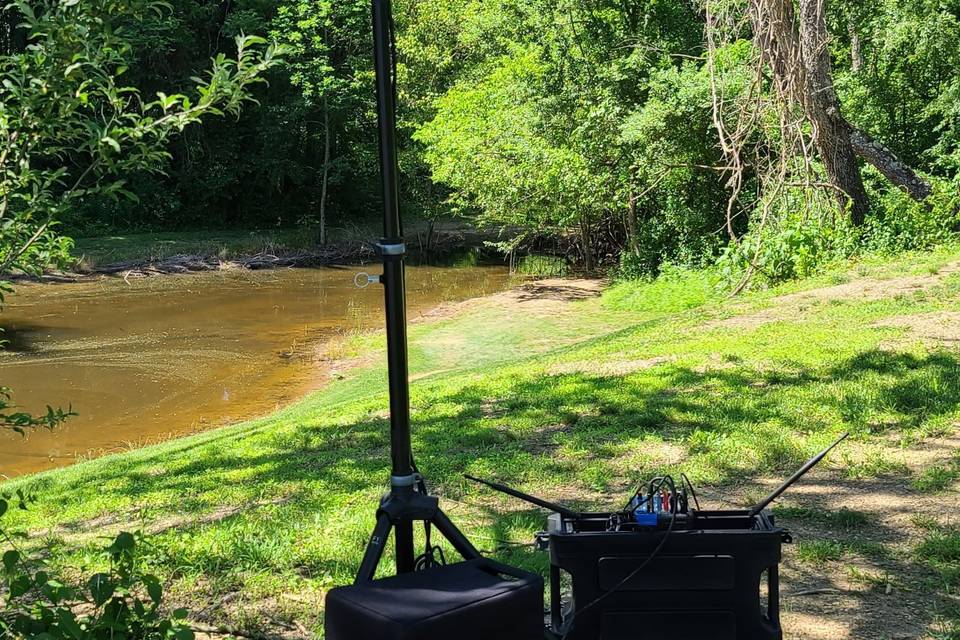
(405, 504)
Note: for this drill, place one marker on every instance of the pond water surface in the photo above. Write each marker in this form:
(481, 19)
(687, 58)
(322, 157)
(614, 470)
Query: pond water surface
(149, 359)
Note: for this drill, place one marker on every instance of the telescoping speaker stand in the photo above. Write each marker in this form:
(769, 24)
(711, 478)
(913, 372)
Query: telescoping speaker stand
(474, 599)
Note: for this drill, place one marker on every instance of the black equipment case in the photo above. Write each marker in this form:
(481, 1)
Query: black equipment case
(704, 582)
(474, 600)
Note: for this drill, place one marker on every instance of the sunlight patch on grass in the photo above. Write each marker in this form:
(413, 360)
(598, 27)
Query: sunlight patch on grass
(675, 290)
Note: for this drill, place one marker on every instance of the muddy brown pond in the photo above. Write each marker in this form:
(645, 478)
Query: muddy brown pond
(145, 360)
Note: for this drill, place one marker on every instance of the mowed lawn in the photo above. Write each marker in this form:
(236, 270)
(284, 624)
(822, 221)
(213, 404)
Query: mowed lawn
(576, 397)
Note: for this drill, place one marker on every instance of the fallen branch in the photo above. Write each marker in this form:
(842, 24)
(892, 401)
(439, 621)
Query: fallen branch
(813, 592)
(226, 629)
(893, 168)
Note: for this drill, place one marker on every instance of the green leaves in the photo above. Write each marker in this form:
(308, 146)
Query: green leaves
(154, 589)
(20, 422)
(19, 586)
(68, 622)
(11, 558)
(123, 542)
(109, 605)
(101, 587)
(69, 129)
(113, 144)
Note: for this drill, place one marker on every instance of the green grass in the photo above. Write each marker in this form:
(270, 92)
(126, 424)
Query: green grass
(842, 518)
(940, 550)
(641, 381)
(543, 266)
(817, 551)
(939, 477)
(677, 290)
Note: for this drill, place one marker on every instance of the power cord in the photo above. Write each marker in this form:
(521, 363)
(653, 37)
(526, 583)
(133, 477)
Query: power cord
(433, 557)
(684, 479)
(433, 554)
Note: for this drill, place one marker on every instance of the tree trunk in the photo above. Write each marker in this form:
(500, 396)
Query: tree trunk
(856, 47)
(892, 167)
(632, 242)
(429, 238)
(586, 242)
(774, 29)
(831, 132)
(326, 172)
(13, 37)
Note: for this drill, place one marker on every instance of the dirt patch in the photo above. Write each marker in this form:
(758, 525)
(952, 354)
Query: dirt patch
(941, 328)
(267, 618)
(540, 298)
(877, 590)
(605, 369)
(789, 306)
(559, 290)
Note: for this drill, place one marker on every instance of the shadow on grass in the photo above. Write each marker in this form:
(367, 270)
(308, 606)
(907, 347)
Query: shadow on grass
(566, 432)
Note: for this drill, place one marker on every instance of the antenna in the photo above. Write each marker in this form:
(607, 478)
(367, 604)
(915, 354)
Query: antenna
(810, 464)
(526, 497)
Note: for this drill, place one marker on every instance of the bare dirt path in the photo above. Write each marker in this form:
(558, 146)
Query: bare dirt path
(877, 590)
(787, 307)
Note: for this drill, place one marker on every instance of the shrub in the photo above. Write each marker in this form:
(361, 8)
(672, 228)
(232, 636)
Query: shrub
(543, 266)
(119, 603)
(800, 238)
(899, 223)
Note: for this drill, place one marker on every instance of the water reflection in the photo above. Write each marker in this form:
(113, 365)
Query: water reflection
(148, 359)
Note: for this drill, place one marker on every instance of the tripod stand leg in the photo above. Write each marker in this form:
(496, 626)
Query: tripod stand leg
(403, 532)
(455, 536)
(371, 558)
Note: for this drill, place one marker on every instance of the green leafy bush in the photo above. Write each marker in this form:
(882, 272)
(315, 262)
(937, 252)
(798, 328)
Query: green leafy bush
(901, 224)
(543, 266)
(636, 265)
(794, 249)
(120, 603)
(803, 238)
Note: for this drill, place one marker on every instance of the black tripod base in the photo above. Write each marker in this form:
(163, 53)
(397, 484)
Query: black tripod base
(477, 599)
(397, 513)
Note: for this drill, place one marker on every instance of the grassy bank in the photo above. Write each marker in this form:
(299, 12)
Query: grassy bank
(575, 397)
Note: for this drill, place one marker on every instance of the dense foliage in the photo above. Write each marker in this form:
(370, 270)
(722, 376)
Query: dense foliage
(587, 128)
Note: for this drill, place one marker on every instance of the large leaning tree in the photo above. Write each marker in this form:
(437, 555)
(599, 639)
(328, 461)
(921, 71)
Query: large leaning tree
(71, 129)
(793, 42)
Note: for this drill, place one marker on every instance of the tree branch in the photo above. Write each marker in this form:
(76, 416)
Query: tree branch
(892, 167)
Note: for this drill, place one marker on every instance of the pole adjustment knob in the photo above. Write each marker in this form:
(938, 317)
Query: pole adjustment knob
(364, 280)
